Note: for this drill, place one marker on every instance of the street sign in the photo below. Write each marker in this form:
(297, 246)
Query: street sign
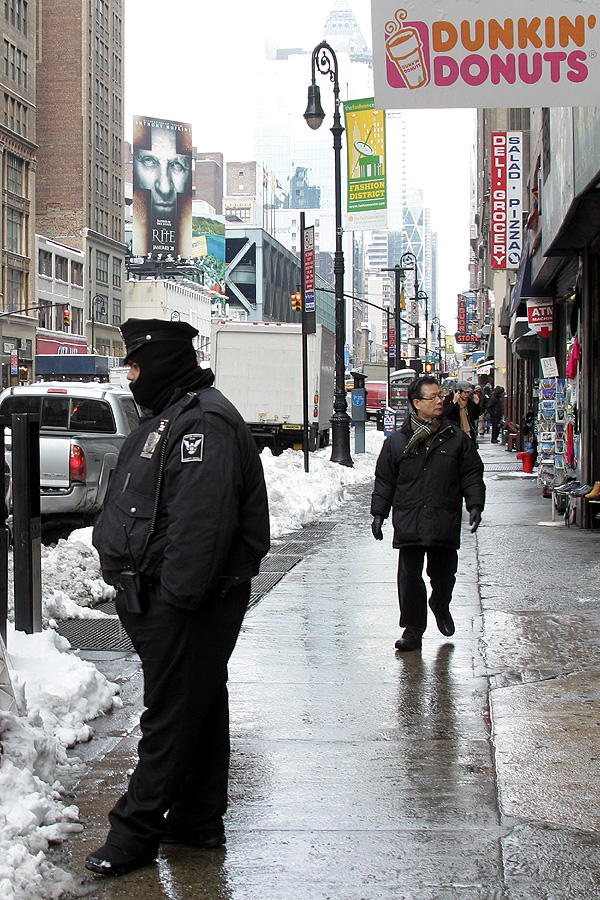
(416, 340)
(309, 269)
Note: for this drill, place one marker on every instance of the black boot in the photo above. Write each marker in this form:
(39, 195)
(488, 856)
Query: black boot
(410, 640)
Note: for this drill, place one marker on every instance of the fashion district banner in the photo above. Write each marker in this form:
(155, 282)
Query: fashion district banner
(485, 53)
(367, 189)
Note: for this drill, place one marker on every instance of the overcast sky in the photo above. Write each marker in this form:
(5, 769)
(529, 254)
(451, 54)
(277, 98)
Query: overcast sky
(195, 61)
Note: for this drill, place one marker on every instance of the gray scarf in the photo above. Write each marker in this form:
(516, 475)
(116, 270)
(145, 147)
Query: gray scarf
(422, 431)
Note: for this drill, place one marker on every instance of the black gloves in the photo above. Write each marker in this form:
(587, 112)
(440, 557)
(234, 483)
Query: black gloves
(475, 519)
(376, 527)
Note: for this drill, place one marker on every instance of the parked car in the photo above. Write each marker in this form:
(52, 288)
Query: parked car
(376, 397)
(82, 428)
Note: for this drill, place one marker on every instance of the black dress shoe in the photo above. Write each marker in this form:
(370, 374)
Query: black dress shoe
(204, 840)
(445, 622)
(567, 487)
(111, 861)
(410, 640)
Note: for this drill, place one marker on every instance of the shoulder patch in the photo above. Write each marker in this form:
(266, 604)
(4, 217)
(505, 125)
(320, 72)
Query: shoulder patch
(192, 448)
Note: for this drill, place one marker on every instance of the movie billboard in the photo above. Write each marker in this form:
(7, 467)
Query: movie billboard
(162, 187)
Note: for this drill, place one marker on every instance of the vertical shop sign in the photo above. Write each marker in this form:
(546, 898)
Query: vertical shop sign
(507, 199)
(367, 189)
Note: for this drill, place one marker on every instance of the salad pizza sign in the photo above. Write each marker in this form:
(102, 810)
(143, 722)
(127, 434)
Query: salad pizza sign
(485, 53)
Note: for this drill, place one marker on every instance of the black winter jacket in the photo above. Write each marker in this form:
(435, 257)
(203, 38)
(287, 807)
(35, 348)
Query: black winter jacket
(212, 522)
(426, 490)
(452, 412)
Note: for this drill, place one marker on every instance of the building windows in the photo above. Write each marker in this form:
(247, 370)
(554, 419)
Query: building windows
(61, 268)
(15, 115)
(101, 182)
(14, 289)
(15, 13)
(45, 264)
(45, 313)
(14, 174)
(14, 230)
(15, 64)
(76, 320)
(77, 274)
(101, 267)
(116, 312)
(116, 272)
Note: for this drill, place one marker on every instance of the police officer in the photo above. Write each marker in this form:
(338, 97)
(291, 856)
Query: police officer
(184, 527)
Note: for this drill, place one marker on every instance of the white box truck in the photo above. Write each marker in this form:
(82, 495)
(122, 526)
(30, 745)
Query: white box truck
(258, 366)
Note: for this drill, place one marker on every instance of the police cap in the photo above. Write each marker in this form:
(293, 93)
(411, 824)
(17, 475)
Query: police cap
(140, 332)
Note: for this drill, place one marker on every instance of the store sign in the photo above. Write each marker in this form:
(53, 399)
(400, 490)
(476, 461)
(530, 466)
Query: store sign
(367, 190)
(14, 362)
(55, 346)
(485, 53)
(540, 315)
(507, 199)
(464, 333)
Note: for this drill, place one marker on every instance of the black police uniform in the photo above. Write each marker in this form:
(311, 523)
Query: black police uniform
(193, 544)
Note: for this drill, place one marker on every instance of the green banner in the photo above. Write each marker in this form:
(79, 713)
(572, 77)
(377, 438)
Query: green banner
(365, 132)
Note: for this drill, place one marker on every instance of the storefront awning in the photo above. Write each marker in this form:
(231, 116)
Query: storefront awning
(581, 225)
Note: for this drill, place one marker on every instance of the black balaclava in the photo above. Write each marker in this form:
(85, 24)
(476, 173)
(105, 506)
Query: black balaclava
(164, 367)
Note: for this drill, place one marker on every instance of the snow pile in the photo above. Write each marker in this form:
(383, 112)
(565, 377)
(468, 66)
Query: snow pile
(53, 714)
(71, 581)
(297, 498)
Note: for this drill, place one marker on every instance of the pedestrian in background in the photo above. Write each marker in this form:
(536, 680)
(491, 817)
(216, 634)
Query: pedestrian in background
(423, 473)
(463, 408)
(184, 527)
(495, 408)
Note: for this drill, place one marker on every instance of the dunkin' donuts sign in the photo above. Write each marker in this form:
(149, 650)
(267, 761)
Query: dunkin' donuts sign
(485, 53)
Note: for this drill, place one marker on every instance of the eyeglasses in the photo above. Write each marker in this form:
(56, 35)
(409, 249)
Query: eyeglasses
(433, 397)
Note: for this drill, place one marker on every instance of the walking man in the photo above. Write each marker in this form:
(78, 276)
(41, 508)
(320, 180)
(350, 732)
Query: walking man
(184, 527)
(423, 473)
(495, 407)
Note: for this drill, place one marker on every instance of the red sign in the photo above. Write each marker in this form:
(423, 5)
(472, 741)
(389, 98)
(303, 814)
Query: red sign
(540, 313)
(463, 335)
(392, 337)
(60, 346)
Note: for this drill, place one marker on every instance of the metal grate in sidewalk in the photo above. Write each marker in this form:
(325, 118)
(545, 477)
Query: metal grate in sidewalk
(495, 468)
(107, 634)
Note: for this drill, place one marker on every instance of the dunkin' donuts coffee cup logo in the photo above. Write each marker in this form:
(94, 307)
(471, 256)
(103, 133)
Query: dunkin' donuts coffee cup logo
(408, 52)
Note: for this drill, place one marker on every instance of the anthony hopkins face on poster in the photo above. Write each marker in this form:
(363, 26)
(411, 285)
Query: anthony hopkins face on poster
(162, 187)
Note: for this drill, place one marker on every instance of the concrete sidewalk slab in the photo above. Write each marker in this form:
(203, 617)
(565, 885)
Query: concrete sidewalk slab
(363, 774)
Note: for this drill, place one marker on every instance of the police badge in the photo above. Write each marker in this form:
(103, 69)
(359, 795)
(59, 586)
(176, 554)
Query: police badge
(192, 448)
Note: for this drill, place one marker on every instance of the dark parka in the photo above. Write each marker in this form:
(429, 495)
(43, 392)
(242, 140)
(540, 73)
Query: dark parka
(452, 412)
(426, 490)
(212, 523)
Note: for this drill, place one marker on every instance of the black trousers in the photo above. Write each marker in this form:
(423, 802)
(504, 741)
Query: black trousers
(184, 750)
(442, 563)
(495, 428)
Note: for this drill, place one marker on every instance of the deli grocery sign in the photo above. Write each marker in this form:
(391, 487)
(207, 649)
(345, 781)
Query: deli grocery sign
(507, 199)
(485, 53)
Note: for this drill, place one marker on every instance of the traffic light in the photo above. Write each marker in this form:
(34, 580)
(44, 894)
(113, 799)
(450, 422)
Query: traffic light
(66, 316)
(428, 368)
(297, 302)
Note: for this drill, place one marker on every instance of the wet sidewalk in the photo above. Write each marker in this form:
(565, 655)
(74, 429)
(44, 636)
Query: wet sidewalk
(466, 771)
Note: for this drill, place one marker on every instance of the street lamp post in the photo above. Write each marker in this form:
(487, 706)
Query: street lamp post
(101, 306)
(324, 61)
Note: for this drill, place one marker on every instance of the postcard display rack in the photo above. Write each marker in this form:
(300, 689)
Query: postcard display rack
(552, 428)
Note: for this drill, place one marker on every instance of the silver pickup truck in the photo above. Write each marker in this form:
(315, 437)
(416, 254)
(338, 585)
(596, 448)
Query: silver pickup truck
(82, 428)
